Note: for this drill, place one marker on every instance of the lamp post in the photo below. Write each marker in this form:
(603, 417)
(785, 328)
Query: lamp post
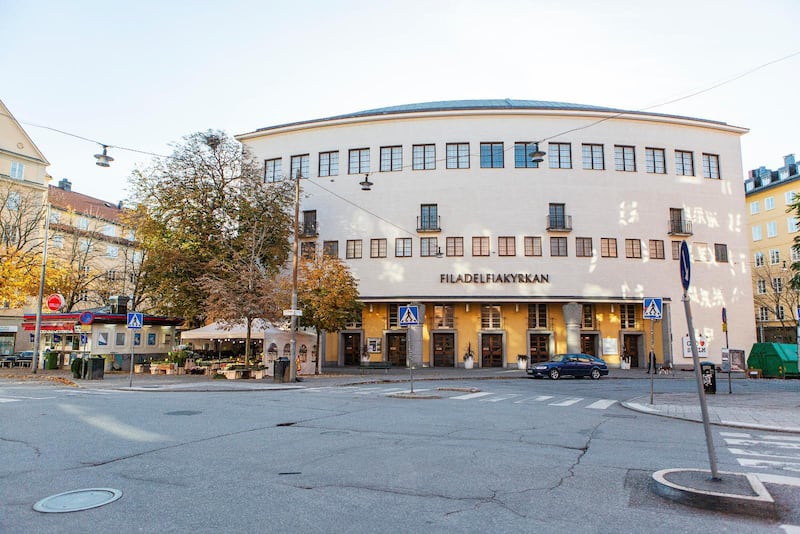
(37, 338)
(295, 261)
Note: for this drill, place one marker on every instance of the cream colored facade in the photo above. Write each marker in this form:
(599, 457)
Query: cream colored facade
(771, 234)
(534, 261)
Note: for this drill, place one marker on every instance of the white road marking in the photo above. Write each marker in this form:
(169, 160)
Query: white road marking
(790, 529)
(788, 466)
(9, 400)
(602, 404)
(568, 402)
(735, 434)
(500, 398)
(744, 452)
(405, 392)
(758, 442)
(469, 396)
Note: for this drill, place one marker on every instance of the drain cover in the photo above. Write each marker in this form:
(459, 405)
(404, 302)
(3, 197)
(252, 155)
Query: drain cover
(77, 500)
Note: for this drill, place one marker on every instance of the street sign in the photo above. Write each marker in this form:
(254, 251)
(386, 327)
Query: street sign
(55, 301)
(409, 315)
(686, 266)
(84, 339)
(135, 320)
(653, 308)
(86, 317)
(289, 313)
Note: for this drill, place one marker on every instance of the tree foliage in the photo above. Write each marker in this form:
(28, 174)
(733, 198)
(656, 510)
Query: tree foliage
(21, 239)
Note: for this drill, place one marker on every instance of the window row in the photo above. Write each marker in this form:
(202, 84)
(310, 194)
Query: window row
(769, 203)
(480, 246)
(492, 156)
(792, 226)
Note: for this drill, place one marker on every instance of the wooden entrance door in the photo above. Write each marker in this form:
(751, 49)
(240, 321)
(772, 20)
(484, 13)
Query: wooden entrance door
(492, 350)
(589, 344)
(630, 346)
(396, 349)
(352, 349)
(444, 350)
(539, 347)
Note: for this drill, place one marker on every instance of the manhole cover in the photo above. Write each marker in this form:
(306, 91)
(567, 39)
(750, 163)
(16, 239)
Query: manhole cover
(77, 500)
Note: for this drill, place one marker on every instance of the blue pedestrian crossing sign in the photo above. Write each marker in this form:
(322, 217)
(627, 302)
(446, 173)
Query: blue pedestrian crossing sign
(409, 315)
(135, 320)
(652, 308)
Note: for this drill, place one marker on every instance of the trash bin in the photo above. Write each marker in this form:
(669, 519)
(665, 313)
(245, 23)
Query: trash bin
(51, 360)
(95, 367)
(281, 370)
(709, 374)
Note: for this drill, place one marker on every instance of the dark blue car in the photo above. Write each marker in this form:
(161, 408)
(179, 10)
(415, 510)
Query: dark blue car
(577, 365)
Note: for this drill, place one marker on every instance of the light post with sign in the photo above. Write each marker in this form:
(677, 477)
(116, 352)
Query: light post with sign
(135, 322)
(686, 275)
(652, 310)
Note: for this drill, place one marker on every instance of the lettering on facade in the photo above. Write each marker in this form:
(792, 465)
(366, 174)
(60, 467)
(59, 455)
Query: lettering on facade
(494, 278)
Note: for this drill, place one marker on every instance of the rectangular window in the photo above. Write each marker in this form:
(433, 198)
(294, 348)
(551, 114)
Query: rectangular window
(633, 248)
(755, 207)
(761, 286)
(627, 316)
(533, 246)
(759, 259)
(272, 170)
(676, 250)
(119, 339)
(391, 158)
(507, 246)
(112, 251)
(309, 225)
(402, 247)
(82, 223)
(772, 229)
(791, 225)
(780, 313)
(492, 155)
(109, 230)
(308, 249)
(624, 158)
(774, 256)
(777, 285)
(111, 275)
(353, 251)
(522, 155)
(763, 313)
(377, 248)
(480, 246)
(560, 155)
(721, 253)
(17, 170)
(583, 247)
(330, 249)
(711, 166)
(58, 241)
(15, 201)
(299, 164)
(608, 247)
(428, 247)
(443, 316)
(557, 217)
(558, 246)
(423, 157)
(359, 161)
(455, 246)
(428, 217)
(655, 160)
(788, 197)
(588, 316)
(537, 315)
(329, 163)
(457, 155)
(769, 203)
(593, 157)
(684, 163)
(490, 317)
(794, 253)
(85, 245)
(756, 233)
(656, 249)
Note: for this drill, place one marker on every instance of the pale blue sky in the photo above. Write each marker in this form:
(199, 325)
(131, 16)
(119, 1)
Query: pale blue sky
(142, 74)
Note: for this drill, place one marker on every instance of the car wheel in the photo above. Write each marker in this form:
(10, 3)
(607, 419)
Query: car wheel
(595, 374)
(554, 374)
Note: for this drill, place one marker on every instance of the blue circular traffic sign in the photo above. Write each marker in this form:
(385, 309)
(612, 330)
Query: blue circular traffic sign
(686, 266)
(86, 317)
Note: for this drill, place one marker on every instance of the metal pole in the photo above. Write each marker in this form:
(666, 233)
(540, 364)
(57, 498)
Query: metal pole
(295, 261)
(700, 392)
(133, 334)
(651, 362)
(37, 338)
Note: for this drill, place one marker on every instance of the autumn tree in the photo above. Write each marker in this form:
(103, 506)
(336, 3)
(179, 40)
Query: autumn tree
(21, 238)
(328, 295)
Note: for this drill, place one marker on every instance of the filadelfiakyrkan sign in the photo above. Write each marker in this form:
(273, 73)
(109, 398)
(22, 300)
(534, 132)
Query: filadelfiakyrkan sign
(494, 278)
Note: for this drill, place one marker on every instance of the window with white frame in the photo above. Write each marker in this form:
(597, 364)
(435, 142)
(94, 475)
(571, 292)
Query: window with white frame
(777, 285)
(273, 170)
(627, 316)
(329, 163)
(769, 203)
(82, 223)
(755, 207)
(756, 233)
(655, 160)
(457, 155)
(85, 245)
(17, 170)
(788, 197)
(537, 315)
(359, 161)
(761, 286)
(112, 251)
(774, 256)
(763, 313)
(624, 158)
(58, 241)
(791, 225)
(110, 230)
(711, 166)
(423, 157)
(299, 163)
(490, 317)
(772, 229)
(559, 155)
(444, 316)
(391, 158)
(593, 157)
(780, 313)
(759, 259)
(794, 254)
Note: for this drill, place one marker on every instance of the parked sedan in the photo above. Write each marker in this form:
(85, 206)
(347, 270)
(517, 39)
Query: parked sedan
(577, 365)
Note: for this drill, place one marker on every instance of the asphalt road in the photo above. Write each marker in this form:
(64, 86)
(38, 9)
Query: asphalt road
(516, 456)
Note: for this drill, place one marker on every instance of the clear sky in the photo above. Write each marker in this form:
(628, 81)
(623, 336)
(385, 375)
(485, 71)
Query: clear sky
(143, 74)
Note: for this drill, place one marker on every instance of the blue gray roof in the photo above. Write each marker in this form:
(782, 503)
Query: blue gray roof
(451, 105)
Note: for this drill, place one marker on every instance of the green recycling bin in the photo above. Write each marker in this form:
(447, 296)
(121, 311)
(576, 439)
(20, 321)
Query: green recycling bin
(51, 360)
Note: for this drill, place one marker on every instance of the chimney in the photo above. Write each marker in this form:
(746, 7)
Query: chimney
(119, 304)
(65, 184)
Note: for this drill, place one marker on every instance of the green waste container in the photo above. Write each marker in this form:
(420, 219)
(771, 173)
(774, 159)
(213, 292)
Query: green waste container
(51, 360)
(775, 360)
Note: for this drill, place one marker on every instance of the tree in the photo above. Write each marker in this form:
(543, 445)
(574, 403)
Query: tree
(21, 238)
(328, 295)
(774, 291)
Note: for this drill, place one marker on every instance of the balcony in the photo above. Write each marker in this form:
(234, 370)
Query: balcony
(680, 227)
(308, 229)
(429, 224)
(561, 223)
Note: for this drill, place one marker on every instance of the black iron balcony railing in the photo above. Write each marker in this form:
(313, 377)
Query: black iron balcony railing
(559, 223)
(429, 224)
(680, 227)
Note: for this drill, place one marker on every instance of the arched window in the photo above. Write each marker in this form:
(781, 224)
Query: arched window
(304, 353)
(287, 350)
(272, 351)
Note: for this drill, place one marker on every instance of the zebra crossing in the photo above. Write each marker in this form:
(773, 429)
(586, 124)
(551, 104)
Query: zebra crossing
(10, 396)
(477, 396)
(764, 451)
